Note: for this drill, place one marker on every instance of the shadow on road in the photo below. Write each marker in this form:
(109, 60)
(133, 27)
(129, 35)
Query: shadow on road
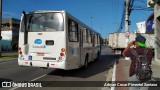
(103, 64)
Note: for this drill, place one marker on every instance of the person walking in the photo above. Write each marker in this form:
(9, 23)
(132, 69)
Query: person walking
(134, 54)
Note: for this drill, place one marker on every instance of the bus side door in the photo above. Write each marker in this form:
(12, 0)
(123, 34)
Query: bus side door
(81, 46)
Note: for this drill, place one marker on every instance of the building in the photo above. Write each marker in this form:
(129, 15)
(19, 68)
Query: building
(10, 33)
(156, 5)
(10, 24)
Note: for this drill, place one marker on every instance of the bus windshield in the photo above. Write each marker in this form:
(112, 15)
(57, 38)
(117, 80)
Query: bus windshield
(45, 22)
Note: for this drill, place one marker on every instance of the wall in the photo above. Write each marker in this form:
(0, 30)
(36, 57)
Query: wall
(157, 30)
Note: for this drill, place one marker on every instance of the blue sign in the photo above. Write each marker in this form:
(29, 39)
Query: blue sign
(38, 41)
(150, 25)
(29, 57)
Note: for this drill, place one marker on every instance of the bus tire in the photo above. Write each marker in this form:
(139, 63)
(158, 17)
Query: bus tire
(86, 62)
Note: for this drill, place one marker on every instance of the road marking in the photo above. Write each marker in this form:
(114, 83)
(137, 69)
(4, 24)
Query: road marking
(30, 81)
(39, 77)
(114, 74)
(109, 77)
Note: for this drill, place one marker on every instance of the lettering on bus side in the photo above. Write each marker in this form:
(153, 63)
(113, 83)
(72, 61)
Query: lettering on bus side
(42, 46)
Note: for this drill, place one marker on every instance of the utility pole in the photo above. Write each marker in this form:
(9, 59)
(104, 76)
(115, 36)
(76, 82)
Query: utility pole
(127, 33)
(0, 24)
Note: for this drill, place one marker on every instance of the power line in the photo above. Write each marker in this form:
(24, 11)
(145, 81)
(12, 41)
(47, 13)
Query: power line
(142, 8)
(131, 2)
(130, 9)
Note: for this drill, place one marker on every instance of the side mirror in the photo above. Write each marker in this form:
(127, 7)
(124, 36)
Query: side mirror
(25, 28)
(25, 22)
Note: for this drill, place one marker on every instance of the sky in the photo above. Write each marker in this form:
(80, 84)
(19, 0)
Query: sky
(104, 16)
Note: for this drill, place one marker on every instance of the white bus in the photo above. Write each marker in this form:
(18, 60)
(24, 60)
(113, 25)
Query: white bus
(55, 39)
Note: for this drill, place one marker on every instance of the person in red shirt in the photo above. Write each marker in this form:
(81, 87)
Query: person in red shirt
(140, 47)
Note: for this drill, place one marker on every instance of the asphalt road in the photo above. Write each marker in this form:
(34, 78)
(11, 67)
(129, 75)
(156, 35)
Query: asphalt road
(97, 71)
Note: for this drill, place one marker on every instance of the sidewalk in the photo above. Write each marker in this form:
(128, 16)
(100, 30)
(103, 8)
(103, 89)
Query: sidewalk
(122, 72)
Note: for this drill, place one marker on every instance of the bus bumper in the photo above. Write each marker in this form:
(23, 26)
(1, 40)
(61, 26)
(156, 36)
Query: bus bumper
(47, 64)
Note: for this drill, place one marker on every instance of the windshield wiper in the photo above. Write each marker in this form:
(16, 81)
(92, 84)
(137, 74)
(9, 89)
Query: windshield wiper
(34, 18)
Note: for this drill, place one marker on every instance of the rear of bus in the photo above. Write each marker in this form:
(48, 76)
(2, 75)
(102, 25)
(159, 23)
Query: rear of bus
(42, 40)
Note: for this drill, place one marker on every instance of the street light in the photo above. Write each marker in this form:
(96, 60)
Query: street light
(91, 21)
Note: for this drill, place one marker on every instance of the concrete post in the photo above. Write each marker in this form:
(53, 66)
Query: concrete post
(127, 23)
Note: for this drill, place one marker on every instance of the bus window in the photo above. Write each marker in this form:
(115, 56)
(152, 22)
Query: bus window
(98, 39)
(45, 22)
(95, 38)
(73, 31)
(85, 35)
(89, 36)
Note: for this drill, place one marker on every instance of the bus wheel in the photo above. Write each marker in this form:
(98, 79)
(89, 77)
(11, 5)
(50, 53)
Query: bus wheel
(86, 63)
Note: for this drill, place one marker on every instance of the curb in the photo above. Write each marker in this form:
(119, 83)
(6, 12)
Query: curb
(114, 74)
(109, 78)
(8, 60)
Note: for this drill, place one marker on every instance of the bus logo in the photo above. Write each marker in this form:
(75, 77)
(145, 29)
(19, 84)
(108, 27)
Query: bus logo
(43, 46)
(38, 41)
